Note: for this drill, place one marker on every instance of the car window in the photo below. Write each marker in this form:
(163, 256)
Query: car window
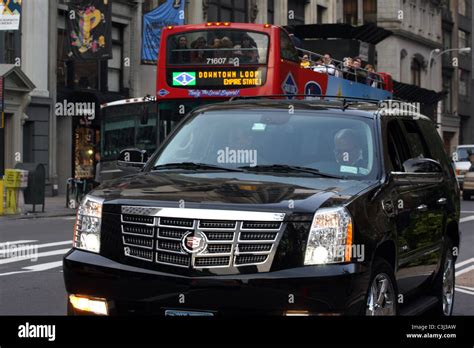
(397, 146)
(338, 145)
(418, 147)
(435, 145)
(463, 153)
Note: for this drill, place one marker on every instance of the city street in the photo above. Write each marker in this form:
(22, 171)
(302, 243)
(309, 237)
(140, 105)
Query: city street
(37, 288)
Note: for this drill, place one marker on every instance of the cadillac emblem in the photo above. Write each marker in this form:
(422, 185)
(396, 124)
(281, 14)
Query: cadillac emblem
(194, 242)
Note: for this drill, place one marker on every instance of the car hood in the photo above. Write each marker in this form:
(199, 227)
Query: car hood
(230, 190)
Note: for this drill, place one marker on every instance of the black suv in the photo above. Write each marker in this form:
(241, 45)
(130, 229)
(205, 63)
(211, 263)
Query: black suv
(274, 207)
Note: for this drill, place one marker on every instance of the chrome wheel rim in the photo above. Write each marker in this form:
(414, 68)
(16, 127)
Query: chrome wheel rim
(381, 299)
(448, 285)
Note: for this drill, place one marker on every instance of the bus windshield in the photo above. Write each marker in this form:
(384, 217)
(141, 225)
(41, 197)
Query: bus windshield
(124, 127)
(216, 47)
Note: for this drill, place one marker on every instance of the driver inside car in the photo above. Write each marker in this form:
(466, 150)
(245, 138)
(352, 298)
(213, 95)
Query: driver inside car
(348, 152)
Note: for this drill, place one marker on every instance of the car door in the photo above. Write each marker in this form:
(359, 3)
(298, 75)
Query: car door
(407, 198)
(430, 216)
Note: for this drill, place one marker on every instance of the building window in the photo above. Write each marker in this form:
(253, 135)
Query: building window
(351, 13)
(150, 5)
(462, 7)
(370, 11)
(463, 82)
(416, 67)
(463, 39)
(228, 11)
(115, 64)
(9, 47)
(322, 14)
(446, 39)
(297, 16)
(447, 101)
(86, 74)
(271, 11)
(62, 59)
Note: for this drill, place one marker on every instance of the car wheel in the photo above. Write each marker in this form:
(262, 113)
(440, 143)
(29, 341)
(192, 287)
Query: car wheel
(445, 283)
(466, 196)
(383, 292)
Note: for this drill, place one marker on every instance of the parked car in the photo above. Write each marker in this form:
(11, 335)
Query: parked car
(468, 190)
(462, 162)
(335, 208)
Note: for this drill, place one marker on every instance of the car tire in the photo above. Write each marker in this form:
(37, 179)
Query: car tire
(466, 195)
(445, 282)
(382, 294)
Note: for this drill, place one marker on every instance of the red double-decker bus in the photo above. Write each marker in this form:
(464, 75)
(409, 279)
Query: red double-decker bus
(222, 60)
(211, 62)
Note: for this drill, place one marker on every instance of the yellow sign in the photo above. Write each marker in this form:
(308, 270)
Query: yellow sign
(12, 194)
(1, 198)
(12, 178)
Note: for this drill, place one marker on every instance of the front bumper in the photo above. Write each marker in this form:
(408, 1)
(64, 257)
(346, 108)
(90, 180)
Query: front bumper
(319, 290)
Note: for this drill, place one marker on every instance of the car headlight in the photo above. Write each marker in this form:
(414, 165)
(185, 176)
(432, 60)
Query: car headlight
(330, 237)
(88, 221)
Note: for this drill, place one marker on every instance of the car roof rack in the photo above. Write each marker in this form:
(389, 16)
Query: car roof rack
(391, 106)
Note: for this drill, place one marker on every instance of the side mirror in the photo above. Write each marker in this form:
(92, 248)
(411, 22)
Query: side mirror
(132, 160)
(422, 165)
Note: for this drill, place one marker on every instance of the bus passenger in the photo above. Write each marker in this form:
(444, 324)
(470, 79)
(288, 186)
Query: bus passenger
(360, 74)
(198, 55)
(249, 50)
(330, 67)
(305, 63)
(373, 79)
(180, 57)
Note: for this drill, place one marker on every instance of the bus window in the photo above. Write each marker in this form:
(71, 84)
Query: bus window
(287, 48)
(216, 47)
(119, 134)
(146, 135)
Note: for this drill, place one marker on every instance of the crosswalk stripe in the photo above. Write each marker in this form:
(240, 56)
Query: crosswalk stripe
(465, 270)
(465, 262)
(466, 219)
(34, 256)
(17, 242)
(465, 291)
(44, 266)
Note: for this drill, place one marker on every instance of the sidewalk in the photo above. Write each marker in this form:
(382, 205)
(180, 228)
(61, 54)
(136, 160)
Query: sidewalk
(54, 207)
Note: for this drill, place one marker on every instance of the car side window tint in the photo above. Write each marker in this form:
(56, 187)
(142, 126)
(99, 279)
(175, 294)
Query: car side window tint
(418, 147)
(435, 144)
(397, 146)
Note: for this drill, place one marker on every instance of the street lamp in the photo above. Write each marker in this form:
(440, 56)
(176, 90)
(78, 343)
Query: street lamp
(439, 53)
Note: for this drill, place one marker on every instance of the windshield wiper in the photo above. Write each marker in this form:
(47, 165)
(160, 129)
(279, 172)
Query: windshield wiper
(287, 168)
(193, 165)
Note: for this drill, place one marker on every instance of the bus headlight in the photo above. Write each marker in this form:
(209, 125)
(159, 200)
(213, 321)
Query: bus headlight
(330, 237)
(88, 221)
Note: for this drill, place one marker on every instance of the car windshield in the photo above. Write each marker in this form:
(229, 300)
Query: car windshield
(274, 141)
(463, 153)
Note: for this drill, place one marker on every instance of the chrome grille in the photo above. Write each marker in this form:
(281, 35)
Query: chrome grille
(186, 238)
